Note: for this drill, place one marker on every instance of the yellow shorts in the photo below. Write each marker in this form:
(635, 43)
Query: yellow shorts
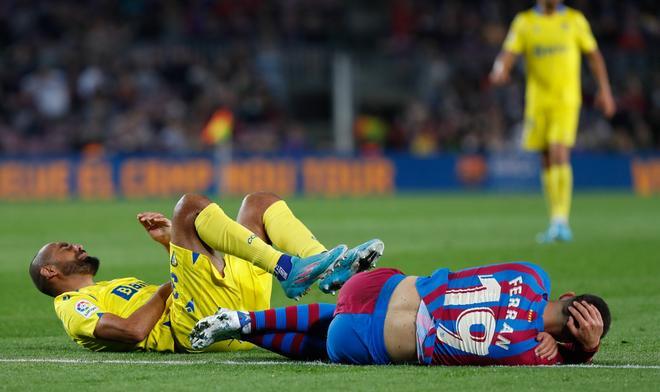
(545, 125)
(199, 290)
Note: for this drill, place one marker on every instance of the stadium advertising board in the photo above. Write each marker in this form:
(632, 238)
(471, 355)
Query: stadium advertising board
(646, 176)
(161, 176)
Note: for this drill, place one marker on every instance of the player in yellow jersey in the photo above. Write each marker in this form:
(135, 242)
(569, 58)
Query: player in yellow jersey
(551, 37)
(128, 314)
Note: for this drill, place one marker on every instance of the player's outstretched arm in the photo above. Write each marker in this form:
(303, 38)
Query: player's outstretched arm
(157, 226)
(604, 99)
(138, 325)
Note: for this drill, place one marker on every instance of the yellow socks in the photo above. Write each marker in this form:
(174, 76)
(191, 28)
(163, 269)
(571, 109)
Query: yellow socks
(565, 179)
(288, 233)
(551, 188)
(222, 233)
(558, 187)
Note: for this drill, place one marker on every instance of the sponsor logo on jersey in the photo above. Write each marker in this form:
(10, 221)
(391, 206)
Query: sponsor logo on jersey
(85, 308)
(173, 260)
(251, 238)
(547, 50)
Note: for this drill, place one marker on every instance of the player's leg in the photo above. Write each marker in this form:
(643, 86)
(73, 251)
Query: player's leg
(559, 179)
(233, 324)
(294, 331)
(560, 163)
(536, 138)
(550, 181)
(216, 230)
(566, 118)
(556, 178)
(562, 128)
(355, 334)
(566, 195)
(268, 216)
(294, 345)
(312, 318)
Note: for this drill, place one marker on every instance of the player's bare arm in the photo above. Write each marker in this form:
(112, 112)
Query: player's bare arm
(501, 72)
(138, 325)
(604, 98)
(158, 226)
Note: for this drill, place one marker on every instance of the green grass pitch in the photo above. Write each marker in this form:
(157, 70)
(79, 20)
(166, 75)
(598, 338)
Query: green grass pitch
(616, 253)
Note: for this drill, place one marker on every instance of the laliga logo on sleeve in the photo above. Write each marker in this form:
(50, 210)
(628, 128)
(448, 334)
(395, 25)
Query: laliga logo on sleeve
(85, 308)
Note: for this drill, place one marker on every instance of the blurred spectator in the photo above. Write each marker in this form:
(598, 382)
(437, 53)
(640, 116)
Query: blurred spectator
(48, 91)
(142, 75)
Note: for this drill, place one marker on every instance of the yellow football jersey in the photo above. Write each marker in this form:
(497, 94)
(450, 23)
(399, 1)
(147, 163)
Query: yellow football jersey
(200, 289)
(81, 310)
(551, 46)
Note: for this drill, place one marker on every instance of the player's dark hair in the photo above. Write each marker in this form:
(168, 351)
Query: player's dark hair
(40, 281)
(594, 300)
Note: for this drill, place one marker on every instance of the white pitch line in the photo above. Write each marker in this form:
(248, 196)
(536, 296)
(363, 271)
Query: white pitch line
(158, 362)
(261, 363)
(613, 366)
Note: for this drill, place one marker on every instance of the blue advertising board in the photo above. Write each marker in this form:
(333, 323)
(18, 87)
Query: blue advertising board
(107, 177)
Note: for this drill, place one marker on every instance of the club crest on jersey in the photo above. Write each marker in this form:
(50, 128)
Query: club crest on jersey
(85, 308)
(173, 261)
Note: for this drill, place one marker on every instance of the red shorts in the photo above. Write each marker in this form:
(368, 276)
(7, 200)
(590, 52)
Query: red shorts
(360, 293)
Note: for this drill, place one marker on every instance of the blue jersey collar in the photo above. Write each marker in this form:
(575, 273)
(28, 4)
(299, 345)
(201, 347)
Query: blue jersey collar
(561, 8)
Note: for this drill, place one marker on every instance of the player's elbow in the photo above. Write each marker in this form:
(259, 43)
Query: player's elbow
(118, 329)
(137, 334)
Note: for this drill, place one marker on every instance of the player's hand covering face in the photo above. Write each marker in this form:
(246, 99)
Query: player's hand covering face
(585, 324)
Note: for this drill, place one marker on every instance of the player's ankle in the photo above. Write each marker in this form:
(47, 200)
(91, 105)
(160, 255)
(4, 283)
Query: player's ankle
(283, 267)
(245, 321)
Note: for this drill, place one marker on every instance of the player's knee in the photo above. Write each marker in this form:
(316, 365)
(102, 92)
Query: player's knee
(259, 201)
(189, 205)
(252, 211)
(558, 154)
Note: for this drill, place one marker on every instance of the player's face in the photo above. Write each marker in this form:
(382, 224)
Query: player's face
(566, 336)
(72, 259)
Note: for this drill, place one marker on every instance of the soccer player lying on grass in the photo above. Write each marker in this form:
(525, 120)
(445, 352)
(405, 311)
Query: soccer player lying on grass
(128, 314)
(491, 315)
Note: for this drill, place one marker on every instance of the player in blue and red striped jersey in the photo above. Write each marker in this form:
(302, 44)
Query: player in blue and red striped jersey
(492, 315)
(498, 314)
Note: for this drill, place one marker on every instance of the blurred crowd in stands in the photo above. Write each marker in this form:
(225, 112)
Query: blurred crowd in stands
(147, 75)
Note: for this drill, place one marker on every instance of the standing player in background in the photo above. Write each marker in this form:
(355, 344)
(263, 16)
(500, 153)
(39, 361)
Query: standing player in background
(551, 38)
